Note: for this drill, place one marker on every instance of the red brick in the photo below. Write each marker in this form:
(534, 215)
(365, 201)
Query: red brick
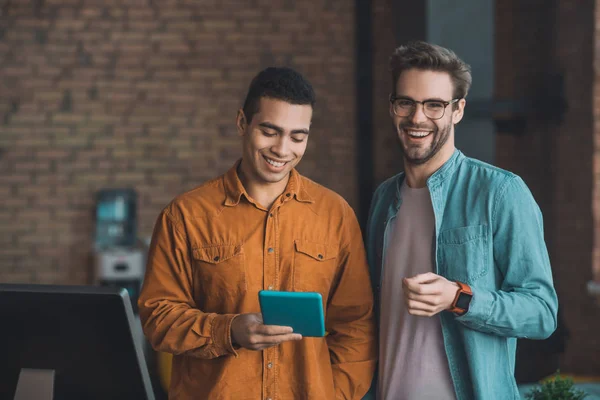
(28, 119)
(105, 119)
(109, 142)
(91, 13)
(70, 24)
(143, 26)
(129, 177)
(56, 154)
(69, 118)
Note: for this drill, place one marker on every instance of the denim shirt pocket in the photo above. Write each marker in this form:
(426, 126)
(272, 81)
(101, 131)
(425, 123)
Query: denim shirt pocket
(463, 253)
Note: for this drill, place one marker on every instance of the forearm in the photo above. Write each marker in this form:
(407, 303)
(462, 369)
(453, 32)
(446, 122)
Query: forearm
(170, 317)
(525, 303)
(512, 314)
(178, 328)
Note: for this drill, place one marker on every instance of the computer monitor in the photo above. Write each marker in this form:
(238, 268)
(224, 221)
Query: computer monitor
(85, 334)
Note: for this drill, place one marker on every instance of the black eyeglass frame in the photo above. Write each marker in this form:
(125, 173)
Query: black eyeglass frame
(393, 98)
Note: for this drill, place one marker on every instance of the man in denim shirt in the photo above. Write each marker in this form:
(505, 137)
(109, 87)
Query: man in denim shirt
(456, 249)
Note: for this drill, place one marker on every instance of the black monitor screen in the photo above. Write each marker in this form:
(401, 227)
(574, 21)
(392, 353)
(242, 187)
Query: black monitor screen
(84, 333)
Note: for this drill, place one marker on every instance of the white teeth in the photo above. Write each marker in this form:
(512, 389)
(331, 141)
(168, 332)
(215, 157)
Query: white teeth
(275, 163)
(417, 133)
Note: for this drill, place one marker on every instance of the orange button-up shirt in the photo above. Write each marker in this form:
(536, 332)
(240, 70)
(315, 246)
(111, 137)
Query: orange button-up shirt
(214, 248)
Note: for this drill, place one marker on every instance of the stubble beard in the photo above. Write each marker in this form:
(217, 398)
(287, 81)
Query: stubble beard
(439, 140)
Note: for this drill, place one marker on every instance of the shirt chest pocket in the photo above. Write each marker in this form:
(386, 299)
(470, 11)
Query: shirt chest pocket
(463, 253)
(220, 273)
(314, 266)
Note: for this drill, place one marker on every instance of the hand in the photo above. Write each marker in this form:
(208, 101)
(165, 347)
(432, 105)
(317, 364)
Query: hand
(248, 331)
(428, 294)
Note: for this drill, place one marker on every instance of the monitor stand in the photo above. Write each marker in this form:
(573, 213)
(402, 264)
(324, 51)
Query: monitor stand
(35, 384)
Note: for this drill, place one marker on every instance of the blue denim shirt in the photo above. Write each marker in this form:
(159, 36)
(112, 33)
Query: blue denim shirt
(488, 234)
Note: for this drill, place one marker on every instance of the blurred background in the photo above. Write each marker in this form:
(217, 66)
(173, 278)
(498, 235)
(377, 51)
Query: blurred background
(141, 95)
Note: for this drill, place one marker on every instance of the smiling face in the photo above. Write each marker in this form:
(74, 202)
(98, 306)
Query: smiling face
(421, 138)
(274, 141)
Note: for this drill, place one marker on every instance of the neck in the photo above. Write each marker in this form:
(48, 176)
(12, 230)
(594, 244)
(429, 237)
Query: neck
(264, 193)
(417, 174)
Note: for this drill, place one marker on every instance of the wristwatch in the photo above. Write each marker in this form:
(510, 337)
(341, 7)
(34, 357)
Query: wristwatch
(463, 297)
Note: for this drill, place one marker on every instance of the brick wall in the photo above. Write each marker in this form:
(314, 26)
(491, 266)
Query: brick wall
(144, 94)
(387, 157)
(536, 41)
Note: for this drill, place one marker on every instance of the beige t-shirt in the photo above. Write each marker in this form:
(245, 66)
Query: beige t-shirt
(412, 359)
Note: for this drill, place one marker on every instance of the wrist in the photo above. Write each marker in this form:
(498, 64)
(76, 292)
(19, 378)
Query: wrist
(462, 299)
(229, 344)
(232, 338)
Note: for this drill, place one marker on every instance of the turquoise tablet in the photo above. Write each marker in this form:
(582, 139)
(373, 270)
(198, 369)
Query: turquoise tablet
(303, 311)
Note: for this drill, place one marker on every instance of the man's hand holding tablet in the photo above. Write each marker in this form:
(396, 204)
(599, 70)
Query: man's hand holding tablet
(249, 331)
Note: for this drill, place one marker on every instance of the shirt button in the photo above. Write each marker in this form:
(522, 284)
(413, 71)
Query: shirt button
(270, 287)
(271, 215)
(320, 256)
(270, 250)
(270, 365)
(217, 258)
(288, 194)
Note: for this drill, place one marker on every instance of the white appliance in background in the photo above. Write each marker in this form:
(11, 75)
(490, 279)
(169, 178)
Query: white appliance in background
(123, 268)
(119, 257)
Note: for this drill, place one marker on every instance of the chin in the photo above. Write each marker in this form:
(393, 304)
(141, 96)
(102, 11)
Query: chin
(416, 159)
(271, 177)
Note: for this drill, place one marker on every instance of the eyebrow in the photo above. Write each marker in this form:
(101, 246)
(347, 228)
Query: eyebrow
(430, 99)
(280, 129)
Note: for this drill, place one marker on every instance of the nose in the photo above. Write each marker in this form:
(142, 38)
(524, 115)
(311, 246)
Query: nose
(282, 147)
(418, 116)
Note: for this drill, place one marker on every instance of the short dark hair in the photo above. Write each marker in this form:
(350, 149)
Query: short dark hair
(431, 57)
(281, 83)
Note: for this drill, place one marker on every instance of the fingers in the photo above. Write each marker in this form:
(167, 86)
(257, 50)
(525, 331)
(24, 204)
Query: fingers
(260, 342)
(248, 331)
(273, 340)
(421, 313)
(272, 330)
(429, 299)
(420, 305)
(263, 336)
(428, 294)
(424, 278)
(421, 309)
(428, 288)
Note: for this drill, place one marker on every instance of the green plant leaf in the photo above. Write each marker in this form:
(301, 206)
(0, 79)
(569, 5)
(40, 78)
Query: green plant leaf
(556, 388)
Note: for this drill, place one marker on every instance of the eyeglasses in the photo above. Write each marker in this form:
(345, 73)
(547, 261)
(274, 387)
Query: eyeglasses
(433, 109)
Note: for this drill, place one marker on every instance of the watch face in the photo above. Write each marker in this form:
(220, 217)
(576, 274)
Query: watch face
(463, 301)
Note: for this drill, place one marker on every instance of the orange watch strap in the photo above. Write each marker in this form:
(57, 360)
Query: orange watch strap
(462, 288)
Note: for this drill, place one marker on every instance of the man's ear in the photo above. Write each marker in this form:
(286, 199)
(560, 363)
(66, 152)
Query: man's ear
(391, 108)
(241, 122)
(458, 114)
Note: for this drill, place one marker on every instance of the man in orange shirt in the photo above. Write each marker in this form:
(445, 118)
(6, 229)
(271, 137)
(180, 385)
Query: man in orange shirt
(261, 226)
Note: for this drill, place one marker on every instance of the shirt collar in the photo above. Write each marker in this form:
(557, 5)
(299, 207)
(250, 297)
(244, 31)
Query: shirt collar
(438, 176)
(234, 189)
(233, 186)
(446, 170)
